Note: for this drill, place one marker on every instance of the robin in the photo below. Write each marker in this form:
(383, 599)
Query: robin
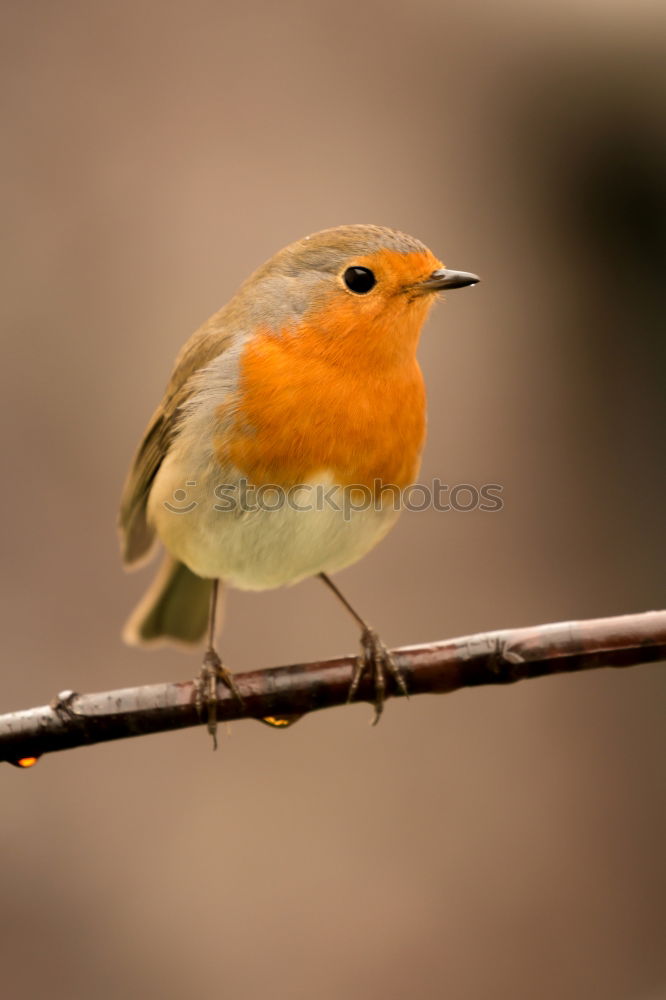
(293, 419)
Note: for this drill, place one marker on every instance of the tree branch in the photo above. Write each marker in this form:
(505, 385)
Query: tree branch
(289, 692)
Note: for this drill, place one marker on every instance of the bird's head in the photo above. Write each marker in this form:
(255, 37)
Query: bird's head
(352, 285)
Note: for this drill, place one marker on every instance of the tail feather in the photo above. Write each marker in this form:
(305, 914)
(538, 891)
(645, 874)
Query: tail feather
(175, 608)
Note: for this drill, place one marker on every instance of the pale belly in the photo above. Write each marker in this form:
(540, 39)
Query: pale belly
(258, 542)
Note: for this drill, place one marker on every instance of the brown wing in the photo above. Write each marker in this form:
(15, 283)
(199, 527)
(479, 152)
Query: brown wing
(137, 536)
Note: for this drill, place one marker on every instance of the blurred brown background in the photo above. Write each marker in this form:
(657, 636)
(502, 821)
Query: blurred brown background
(491, 844)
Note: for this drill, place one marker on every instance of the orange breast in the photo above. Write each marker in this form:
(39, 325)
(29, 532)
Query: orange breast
(304, 411)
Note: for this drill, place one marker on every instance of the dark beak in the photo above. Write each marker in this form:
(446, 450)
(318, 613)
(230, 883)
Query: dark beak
(444, 279)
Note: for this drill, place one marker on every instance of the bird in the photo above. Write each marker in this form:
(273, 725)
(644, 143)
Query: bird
(292, 421)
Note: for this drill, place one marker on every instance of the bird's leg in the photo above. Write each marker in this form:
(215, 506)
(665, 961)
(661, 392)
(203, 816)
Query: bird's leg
(374, 657)
(212, 671)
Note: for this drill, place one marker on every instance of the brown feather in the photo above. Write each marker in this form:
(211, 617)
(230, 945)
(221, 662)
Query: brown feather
(137, 535)
(174, 608)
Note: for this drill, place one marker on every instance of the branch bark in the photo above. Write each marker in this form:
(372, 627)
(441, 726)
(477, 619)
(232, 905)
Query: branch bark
(291, 691)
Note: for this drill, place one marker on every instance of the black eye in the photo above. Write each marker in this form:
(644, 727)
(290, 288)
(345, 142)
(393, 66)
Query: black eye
(359, 279)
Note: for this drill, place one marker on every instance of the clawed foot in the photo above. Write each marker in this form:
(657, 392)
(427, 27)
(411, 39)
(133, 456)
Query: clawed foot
(212, 671)
(376, 658)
